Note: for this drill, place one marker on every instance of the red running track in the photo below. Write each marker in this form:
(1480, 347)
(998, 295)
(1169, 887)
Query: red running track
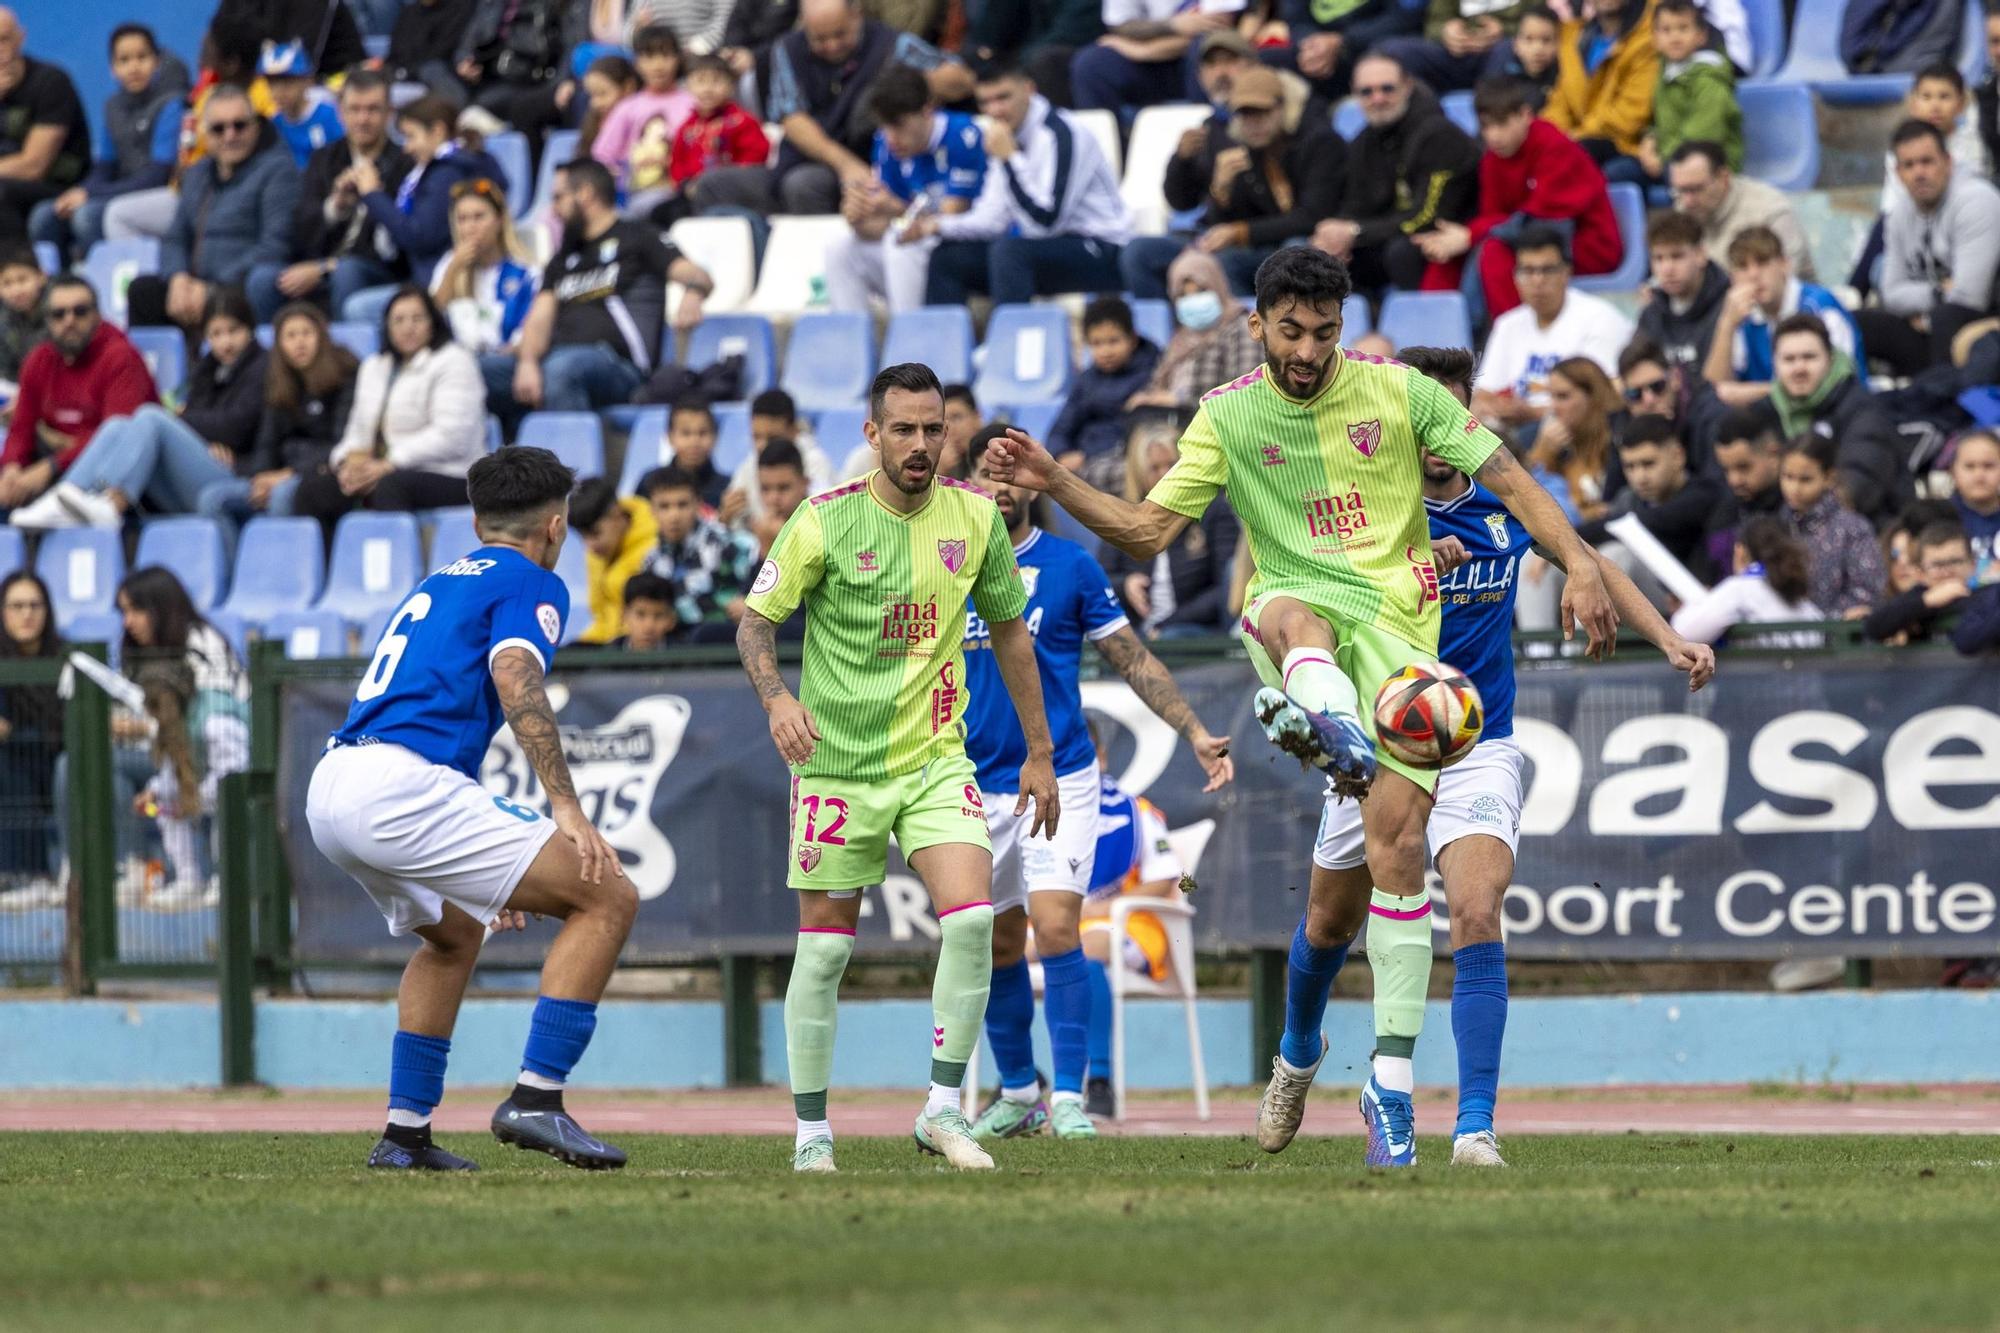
(1941, 1110)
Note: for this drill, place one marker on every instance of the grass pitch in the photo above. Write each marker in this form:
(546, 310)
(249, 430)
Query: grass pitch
(288, 1232)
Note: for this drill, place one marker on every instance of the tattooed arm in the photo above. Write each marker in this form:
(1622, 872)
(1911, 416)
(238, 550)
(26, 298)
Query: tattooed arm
(793, 730)
(517, 678)
(1156, 689)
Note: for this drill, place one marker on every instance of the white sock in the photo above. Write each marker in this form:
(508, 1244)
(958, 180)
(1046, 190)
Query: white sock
(1066, 1097)
(530, 1079)
(1025, 1096)
(809, 1130)
(1312, 680)
(409, 1119)
(1396, 1073)
(941, 1099)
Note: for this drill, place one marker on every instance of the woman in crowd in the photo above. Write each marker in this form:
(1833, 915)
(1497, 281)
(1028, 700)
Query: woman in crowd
(167, 458)
(417, 217)
(31, 736)
(308, 393)
(1573, 446)
(1816, 391)
(1846, 562)
(417, 426)
(1184, 590)
(1211, 343)
(484, 283)
(1770, 584)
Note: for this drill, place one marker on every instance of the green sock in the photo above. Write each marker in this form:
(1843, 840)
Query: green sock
(1313, 681)
(811, 1003)
(1399, 954)
(958, 993)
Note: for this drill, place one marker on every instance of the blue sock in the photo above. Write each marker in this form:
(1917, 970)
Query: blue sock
(557, 1036)
(1100, 1018)
(1066, 1006)
(1478, 1023)
(416, 1072)
(1010, 1024)
(1308, 980)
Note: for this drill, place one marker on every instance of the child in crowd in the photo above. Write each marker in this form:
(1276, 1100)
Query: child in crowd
(1694, 99)
(1945, 572)
(618, 535)
(1762, 295)
(708, 566)
(608, 83)
(1088, 436)
(1845, 573)
(647, 615)
(23, 318)
(1770, 584)
(636, 139)
(304, 119)
(1975, 480)
(199, 737)
(691, 434)
(719, 133)
(1606, 70)
(1531, 55)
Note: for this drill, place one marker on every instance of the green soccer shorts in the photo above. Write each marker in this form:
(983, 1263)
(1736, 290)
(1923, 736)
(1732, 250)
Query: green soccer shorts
(1365, 654)
(841, 826)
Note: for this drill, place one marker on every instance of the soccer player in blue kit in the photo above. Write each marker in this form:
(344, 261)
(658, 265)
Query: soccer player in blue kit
(1045, 879)
(1473, 832)
(396, 802)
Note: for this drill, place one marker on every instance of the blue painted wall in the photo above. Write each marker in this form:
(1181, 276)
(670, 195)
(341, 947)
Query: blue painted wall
(78, 37)
(1897, 1037)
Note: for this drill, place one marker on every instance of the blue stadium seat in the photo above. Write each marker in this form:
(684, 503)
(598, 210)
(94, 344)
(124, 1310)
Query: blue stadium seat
(1458, 108)
(48, 257)
(510, 150)
(1348, 120)
(830, 360)
(13, 550)
(376, 560)
(232, 628)
(452, 535)
(1815, 59)
(105, 627)
(1355, 321)
(111, 265)
(1426, 319)
(82, 568)
(572, 569)
(192, 547)
(364, 340)
(1034, 418)
(1630, 207)
(1028, 357)
(645, 448)
(1780, 134)
(748, 336)
(577, 438)
(940, 336)
(1153, 319)
(280, 565)
(839, 433)
(165, 351)
(732, 437)
(558, 148)
(1767, 37)
(309, 635)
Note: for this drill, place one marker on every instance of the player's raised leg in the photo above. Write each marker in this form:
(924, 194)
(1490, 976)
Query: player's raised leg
(1477, 870)
(959, 876)
(427, 1002)
(1309, 707)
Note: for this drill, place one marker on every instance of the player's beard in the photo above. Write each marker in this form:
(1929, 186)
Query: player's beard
(1281, 376)
(900, 478)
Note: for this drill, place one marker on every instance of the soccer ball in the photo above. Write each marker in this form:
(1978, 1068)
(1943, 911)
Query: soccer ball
(1428, 716)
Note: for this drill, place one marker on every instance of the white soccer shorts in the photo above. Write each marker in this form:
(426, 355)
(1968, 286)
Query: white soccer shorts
(418, 835)
(1023, 865)
(1481, 793)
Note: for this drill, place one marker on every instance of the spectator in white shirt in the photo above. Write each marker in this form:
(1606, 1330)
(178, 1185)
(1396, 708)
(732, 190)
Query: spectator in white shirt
(484, 282)
(1551, 325)
(1770, 584)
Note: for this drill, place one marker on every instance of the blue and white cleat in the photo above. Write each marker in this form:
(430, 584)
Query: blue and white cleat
(555, 1132)
(389, 1155)
(1334, 743)
(1391, 1118)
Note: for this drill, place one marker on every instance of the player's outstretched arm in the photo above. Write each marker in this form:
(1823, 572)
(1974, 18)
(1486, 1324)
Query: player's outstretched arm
(1014, 651)
(1141, 530)
(1585, 600)
(1696, 659)
(793, 730)
(1148, 677)
(517, 679)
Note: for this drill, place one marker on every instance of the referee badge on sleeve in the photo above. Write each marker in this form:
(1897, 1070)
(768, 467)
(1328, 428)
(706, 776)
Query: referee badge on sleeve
(550, 620)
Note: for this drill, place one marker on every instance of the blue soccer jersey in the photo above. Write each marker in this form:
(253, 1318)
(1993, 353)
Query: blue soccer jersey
(430, 687)
(1069, 601)
(1476, 630)
(954, 167)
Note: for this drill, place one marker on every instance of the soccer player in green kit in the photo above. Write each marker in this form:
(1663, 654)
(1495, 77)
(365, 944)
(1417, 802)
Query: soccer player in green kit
(1320, 452)
(884, 566)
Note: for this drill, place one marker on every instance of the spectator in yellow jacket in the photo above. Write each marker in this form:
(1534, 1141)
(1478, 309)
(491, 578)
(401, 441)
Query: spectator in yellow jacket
(618, 535)
(1606, 70)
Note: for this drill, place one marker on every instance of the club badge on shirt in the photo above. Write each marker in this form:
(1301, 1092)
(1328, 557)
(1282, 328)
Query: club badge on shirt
(550, 620)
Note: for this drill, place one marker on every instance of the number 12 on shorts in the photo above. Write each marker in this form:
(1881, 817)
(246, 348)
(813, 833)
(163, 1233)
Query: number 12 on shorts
(829, 836)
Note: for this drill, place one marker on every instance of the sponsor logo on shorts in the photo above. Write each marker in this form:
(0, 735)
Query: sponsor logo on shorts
(1340, 516)
(1496, 524)
(952, 552)
(1486, 810)
(767, 577)
(1365, 436)
(809, 859)
(972, 797)
(550, 620)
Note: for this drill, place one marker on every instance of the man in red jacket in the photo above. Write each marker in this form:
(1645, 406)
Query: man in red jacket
(1532, 172)
(87, 373)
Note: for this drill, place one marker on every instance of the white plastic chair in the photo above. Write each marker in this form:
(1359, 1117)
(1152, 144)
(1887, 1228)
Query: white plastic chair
(793, 257)
(1103, 127)
(1178, 918)
(1155, 134)
(723, 247)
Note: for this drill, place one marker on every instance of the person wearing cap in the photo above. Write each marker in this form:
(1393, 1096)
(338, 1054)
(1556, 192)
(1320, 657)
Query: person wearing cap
(1141, 60)
(1284, 171)
(1460, 37)
(304, 120)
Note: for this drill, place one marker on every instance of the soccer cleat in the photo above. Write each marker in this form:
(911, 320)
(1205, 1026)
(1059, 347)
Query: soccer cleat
(1097, 1098)
(389, 1155)
(1068, 1120)
(556, 1133)
(947, 1135)
(814, 1157)
(1479, 1148)
(1391, 1118)
(1334, 743)
(1004, 1119)
(1284, 1102)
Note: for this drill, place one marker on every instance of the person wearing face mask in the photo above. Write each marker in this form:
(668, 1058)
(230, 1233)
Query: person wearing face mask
(1212, 344)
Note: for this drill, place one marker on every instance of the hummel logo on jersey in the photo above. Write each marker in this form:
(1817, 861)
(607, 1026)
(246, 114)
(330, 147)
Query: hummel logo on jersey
(952, 552)
(1497, 525)
(1365, 436)
(1336, 515)
(864, 563)
(808, 859)
(1272, 456)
